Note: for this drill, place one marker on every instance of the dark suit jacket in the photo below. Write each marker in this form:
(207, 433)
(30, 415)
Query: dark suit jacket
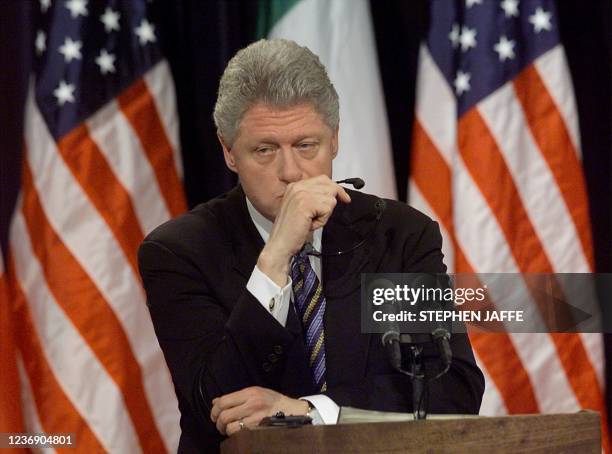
(217, 338)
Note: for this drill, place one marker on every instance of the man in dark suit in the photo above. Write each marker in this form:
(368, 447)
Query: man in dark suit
(248, 323)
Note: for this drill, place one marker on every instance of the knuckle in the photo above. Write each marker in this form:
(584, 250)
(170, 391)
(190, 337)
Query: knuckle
(255, 390)
(223, 419)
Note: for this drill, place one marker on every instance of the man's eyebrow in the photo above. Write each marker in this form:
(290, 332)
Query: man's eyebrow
(274, 140)
(307, 136)
(310, 136)
(266, 140)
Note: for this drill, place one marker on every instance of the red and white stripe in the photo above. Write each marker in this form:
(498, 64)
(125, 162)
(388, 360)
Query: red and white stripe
(91, 360)
(11, 414)
(505, 183)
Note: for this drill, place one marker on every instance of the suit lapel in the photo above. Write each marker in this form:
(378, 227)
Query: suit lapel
(346, 349)
(339, 272)
(246, 241)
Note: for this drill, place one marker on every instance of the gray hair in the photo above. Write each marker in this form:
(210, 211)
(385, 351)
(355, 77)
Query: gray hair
(279, 73)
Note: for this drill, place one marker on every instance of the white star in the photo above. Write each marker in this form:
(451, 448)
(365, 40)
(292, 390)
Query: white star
(470, 3)
(510, 8)
(454, 35)
(462, 82)
(41, 42)
(467, 38)
(64, 93)
(71, 50)
(145, 32)
(110, 19)
(77, 8)
(540, 20)
(505, 48)
(106, 62)
(44, 5)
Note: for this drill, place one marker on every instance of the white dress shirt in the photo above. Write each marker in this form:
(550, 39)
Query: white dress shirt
(277, 301)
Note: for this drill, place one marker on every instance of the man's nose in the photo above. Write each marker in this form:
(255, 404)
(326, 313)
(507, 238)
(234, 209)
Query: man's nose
(289, 166)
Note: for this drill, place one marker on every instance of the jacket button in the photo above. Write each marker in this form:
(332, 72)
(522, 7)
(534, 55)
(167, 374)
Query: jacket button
(272, 357)
(266, 367)
(278, 349)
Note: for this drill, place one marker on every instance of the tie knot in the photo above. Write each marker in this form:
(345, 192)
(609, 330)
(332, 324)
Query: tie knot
(301, 264)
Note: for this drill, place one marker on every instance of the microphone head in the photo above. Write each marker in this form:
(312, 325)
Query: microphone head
(390, 336)
(357, 183)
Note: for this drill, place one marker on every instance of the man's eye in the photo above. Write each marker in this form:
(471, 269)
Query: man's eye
(264, 150)
(306, 146)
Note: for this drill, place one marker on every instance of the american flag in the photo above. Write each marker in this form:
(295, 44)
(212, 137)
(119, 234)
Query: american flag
(101, 169)
(11, 418)
(496, 160)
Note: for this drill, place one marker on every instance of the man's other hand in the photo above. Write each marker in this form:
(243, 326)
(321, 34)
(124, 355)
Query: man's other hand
(251, 405)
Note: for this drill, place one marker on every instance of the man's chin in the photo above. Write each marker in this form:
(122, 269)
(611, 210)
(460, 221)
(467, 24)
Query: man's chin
(270, 215)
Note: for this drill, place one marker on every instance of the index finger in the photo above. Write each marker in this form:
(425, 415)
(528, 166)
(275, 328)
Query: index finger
(325, 184)
(232, 399)
(342, 194)
(227, 401)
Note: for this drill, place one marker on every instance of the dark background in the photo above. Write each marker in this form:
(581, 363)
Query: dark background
(200, 36)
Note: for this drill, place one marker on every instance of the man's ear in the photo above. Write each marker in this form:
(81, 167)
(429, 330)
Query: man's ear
(334, 142)
(230, 160)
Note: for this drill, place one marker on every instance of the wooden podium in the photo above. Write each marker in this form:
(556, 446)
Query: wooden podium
(575, 432)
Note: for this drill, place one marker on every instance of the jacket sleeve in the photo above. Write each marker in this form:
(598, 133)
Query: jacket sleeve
(210, 349)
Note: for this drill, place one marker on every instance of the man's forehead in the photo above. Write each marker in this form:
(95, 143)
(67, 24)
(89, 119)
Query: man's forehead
(263, 118)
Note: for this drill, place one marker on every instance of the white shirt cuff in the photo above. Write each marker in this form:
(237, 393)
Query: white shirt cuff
(326, 408)
(274, 299)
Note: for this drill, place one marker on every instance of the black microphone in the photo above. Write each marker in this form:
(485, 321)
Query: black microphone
(391, 337)
(440, 334)
(391, 342)
(357, 183)
(441, 338)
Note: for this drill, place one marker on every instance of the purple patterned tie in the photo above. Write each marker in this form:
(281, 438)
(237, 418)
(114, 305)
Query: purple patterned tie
(309, 303)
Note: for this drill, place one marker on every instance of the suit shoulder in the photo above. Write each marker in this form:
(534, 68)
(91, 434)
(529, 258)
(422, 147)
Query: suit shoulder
(200, 225)
(407, 213)
(394, 212)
